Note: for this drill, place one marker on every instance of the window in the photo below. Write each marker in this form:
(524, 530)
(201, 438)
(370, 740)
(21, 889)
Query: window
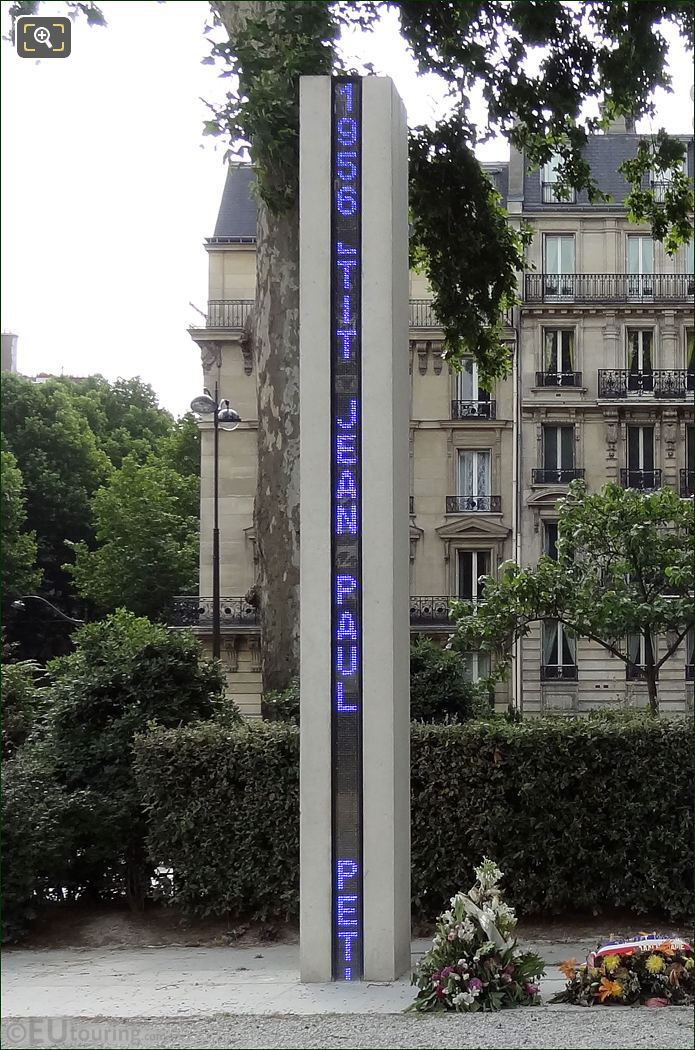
(471, 400)
(690, 258)
(559, 652)
(637, 649)
(472, 566)
(640, 473)
(549, 181)
(558, 448)
(558, 264)
(639, 360)
(661, 180)
(558, 357)
(476, 666)
(640, 266)
(690, 358)
(550, 539)
(474, 480)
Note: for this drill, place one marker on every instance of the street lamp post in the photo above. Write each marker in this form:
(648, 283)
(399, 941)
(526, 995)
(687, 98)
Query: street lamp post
(223, 418)
(21, 606)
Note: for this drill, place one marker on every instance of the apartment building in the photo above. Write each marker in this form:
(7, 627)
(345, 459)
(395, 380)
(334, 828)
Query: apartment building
(602, 388)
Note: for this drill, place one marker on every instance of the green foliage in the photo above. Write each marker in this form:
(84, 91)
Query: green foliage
(19, 572)
(439, 688)
(35, 844)
(282, 705)
(585, 814)
(222, 810)
(147, 524)
(624, 566)
(61, 464)
(22, 702)
(460, 231)
(125, 674)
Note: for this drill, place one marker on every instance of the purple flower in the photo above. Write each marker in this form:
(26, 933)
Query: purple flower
(446, 972)
(475, 985)
(509, 969)
(531, 989)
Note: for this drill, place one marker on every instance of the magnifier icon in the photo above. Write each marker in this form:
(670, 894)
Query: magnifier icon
(42, 36)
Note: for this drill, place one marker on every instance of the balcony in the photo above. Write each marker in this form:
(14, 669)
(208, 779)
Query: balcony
(188, 610)
(644, 480)
(549, 194)
(556, 379)
(473, 504)
(558, 672)
(228, 313)
(556, 476)
(687, 485)
(461, 410)
(608, 287)
(669, 384)
(426, 611)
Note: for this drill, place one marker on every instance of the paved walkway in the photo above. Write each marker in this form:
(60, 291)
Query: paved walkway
(252, 997)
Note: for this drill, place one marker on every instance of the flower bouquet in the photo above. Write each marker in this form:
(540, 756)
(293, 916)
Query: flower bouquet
(474, 962)
(650, 969)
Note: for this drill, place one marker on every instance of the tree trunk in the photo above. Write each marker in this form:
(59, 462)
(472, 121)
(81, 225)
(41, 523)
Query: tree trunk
(276, 514)
(276, 351)
(650, 673)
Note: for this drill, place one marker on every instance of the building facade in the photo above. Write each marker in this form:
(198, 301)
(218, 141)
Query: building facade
(601, 388)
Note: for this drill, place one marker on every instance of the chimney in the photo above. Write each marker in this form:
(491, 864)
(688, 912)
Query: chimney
(619, 125)
(9, 351)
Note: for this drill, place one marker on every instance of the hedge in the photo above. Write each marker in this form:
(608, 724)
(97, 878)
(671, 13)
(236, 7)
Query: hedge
(580, 815)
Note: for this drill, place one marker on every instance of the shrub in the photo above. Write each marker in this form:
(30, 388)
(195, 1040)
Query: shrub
(439, 688)
(124, 675)
(283, 705)
(588, 814)
(34, 844)
(223, 811)
(22, 703)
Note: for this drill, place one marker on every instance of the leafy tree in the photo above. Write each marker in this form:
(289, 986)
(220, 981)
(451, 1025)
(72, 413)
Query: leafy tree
(147, 521)
(124, 415)
(62, 465)
(180, 447)
(440, 689)
(22, 702)
(19, 571)
(125, 675)
(624, 568)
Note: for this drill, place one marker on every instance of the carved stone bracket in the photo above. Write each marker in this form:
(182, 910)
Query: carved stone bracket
(211, 355)
(255, 650)
(231, 648)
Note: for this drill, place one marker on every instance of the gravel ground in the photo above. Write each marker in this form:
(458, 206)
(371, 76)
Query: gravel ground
(554, 1028)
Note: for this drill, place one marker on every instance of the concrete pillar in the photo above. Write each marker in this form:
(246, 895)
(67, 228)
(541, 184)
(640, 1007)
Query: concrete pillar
(374, 907)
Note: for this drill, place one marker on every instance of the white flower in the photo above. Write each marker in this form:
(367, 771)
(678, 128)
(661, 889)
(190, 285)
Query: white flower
(463, 998)
(466, 930)
(446, 917)
(452, 935)
(488, 873)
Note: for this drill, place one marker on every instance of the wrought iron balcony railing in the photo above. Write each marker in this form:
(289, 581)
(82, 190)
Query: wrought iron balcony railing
(426, 611)
(228, 313)
(188, 610)
(687, 486)
(473, 409)
(645, 480)
(473, 504)
(608, 287)
(558, 672)
(558, 378)
(549, 194)
(670, 384)
(556, 476)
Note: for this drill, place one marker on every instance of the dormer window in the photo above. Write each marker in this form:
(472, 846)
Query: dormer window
(549, 181)
(659, 181)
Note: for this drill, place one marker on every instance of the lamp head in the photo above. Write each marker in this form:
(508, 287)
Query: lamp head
(203, 405)
(228, 418)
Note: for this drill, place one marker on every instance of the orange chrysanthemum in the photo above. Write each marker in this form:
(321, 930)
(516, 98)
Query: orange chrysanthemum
(609, 990)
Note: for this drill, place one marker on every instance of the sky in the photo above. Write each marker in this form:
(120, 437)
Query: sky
(109, 188)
